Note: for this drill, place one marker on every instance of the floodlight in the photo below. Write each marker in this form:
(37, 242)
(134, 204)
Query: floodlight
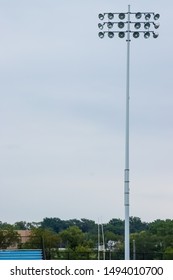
(121, 34)
(101, 16)
(100, 26)
(156, 16)
(121, 16)
(110, 34)
(137, 25)
(147, 25)
(121, 24)
(146, 35)
(110, 24)
(135, 34)
(101, 35)
(147, 16)
(155, 35)
(156, 25)
(138, 15)
(110, 15)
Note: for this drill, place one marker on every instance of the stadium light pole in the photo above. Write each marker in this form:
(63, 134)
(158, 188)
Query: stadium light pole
(128, 23)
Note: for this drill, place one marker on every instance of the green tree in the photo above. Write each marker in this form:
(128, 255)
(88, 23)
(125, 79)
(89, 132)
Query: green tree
(136, 225)
(72, 237)
(75, 242)
(42, 237)
(89, 226)
(8, 238)
(148, 246)
(168, 254)
(5, 226)
(161, 227)
(116, 226)
(54, 224)
(22, 225)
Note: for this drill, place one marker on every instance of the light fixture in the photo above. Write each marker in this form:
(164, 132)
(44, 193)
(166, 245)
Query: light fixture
(121, 16)
(101, 16)
(147, 25)
(100, 26)
(138, 15)
(137, 25)
(109, 24)
(110, 34)
(110, 15)
(155, 35)
(121, 24)
(146, 35)
(101, 35)
(156, 16)
(156, 25)
(121, 34)
(135, 34)
(147, 16)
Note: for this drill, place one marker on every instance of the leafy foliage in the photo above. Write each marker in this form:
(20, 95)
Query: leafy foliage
(8, 238)
(79, 237)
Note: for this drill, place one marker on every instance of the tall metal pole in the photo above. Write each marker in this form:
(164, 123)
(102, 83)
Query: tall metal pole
(98, 240)
(147, 31)
(103, 238)
(126, 171)
(134, 250)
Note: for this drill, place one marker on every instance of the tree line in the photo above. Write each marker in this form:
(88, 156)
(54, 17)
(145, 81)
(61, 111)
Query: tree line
(78, 239)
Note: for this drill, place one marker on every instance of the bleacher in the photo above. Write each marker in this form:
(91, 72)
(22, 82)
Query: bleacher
(21, 254)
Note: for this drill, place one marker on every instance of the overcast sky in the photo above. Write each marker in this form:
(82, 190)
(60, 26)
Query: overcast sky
(62, 113)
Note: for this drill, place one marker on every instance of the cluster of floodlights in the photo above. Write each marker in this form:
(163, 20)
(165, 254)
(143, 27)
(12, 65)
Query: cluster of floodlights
(146, 21)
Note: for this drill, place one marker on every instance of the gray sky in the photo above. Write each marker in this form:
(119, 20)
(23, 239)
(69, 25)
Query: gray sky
(62, 113)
